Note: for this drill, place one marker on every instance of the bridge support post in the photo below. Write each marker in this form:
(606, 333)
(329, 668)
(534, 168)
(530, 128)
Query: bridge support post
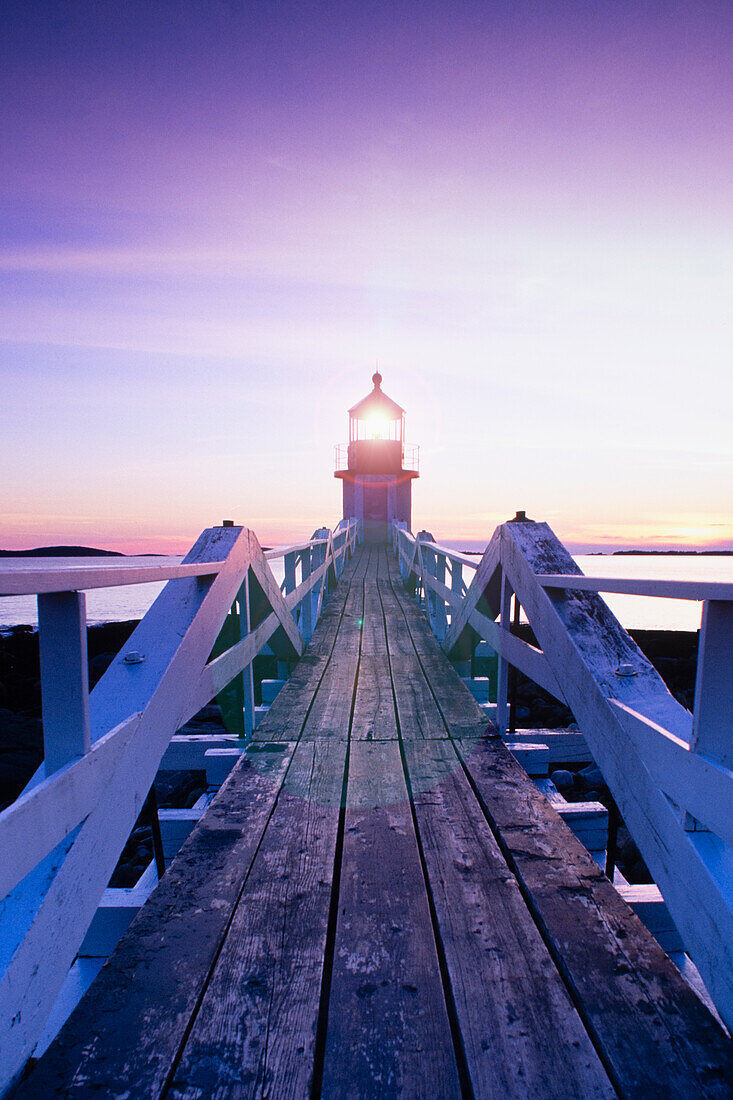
(306, 607)
(319, 591)
(248, 687)
(712, 723)
(712, 729)
(462, 667)
(290, 573)
(502, 687)
(441, 615)
(62, 631)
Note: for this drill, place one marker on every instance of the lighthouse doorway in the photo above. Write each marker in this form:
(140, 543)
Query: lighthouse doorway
(375, 513)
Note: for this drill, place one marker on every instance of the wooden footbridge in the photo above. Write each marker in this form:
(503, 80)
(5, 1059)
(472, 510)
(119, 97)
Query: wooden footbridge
(378, 902)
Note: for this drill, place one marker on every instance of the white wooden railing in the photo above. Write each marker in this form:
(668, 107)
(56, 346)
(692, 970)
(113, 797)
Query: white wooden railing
(61, 839)
(670, 771)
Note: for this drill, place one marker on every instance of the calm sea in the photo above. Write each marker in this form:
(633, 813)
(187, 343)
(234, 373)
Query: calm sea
(132, 601)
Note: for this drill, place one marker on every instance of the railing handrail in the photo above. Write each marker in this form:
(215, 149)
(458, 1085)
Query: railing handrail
(410, 453)
(295, 548)
(454, 555)
(641, 586)
(81, 578)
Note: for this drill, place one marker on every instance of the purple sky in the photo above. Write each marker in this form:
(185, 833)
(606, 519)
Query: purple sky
(216, 216)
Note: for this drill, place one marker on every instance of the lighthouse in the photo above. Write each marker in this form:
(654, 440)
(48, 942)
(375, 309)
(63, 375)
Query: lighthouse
(376, 467)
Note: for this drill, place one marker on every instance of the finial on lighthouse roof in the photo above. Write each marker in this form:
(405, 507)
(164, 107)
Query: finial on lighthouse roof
(377, 380)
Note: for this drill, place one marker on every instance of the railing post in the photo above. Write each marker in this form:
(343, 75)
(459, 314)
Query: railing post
(306, 604)
(712, 723)
(318, 557)
(456, 576)
(339, 552)
(62, 632)
(290, 572)
(441, 614)
(462, 667)
(712, 727)
(429, 558)
(248, 687)
(512, 679)
(502, 687)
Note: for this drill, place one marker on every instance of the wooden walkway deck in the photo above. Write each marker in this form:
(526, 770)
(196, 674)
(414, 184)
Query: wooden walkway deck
(380, 903)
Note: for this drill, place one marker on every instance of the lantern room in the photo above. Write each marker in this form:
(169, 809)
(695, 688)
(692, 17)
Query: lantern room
(376, 466)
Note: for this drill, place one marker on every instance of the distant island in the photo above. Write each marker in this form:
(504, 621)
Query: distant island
(645, 553)
(61, 552)
(685, 553)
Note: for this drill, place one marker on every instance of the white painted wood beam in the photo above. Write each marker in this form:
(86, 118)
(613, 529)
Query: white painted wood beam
(513, 651)
(502, 675)
(712, 732)
(702, 786)
(39, 820)
(81, 578)
(667, 589)
(306, 606)
(62, 629)
(485, 579)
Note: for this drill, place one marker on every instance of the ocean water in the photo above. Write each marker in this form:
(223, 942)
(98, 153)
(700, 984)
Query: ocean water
(650, 613)
(104, 605)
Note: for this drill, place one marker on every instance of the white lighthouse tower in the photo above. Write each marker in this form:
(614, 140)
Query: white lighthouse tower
(376, 467)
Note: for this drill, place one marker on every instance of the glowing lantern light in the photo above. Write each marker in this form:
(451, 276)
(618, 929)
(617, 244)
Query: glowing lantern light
(377, 426)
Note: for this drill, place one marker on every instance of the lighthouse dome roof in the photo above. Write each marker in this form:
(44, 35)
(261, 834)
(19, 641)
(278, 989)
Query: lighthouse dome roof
(376, 403)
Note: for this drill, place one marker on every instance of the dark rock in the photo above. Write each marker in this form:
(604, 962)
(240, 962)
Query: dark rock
(21, 752)
(590, 778)
(18, 732)
(174, 789)
(98, 666)
(210, 713)
(563, 780)
(195, 794)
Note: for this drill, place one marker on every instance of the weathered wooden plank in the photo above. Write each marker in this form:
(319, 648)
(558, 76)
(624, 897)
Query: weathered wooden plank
(388, 1030)
(374, 709)
(399, 639)
(374, 639)
(417, 712)
(124, 1036)
(566, 746)
(456, 704)
(255, 1031)
(651, 1031)
(520, 1031)
(330, 713)
(287, 716)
